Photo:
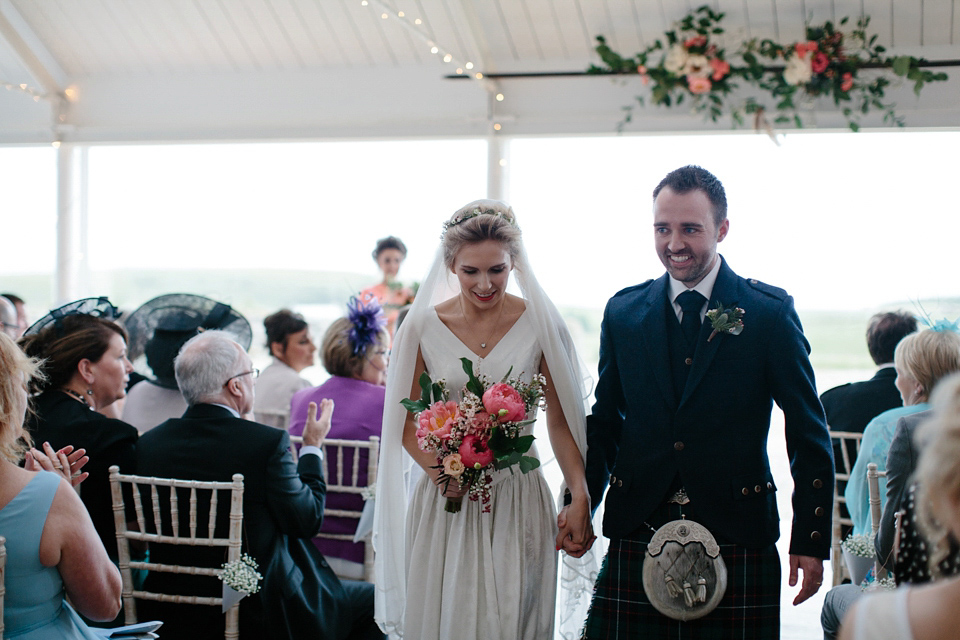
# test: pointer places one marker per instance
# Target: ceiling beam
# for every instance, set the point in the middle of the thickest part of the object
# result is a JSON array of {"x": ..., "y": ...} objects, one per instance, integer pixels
[{"x": 31, "y": 51}]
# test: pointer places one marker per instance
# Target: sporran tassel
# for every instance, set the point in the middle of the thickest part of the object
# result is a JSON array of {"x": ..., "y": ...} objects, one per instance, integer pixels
[
  {"x": 702, "y": 590},
  {"x": 688, "y": 596},
  {"x": 672, "y": 587}
]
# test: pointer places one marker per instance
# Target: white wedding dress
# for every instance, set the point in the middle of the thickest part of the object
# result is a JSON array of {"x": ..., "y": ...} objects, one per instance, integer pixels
[{"x": 475, "y": 575}]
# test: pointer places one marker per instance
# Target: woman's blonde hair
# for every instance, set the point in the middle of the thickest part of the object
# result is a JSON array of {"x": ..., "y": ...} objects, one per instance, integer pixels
[
  {"x": 479, "y": 221},
  {"x": 927, "y": 356},
  {"x": 337, "y": 350},
  {"x": 938, "y": 472},
  {"x": 17, "y": 371}
]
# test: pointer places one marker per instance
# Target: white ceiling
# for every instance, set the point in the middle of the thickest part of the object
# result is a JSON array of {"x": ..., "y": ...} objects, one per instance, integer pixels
[{"x": 160, "y": 70}]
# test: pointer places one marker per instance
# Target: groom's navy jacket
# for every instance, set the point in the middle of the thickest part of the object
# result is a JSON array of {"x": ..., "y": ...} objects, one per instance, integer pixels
[{"x": 642, "y": 433}]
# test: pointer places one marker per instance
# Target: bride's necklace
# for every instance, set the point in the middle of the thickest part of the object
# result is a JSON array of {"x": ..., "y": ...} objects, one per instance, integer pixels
[
  {"x": 483, "y": 345},
  {"x": 71, "y": 392}
]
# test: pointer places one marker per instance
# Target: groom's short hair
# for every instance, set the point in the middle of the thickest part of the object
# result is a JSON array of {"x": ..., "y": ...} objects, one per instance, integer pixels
[{"x": 691, "y": 177}]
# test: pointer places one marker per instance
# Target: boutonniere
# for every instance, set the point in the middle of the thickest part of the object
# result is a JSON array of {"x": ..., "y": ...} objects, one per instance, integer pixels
[{"x": 725, "y": 320}]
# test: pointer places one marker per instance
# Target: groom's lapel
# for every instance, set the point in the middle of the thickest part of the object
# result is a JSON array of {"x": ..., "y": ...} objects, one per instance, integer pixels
[
  {"x": 653, "y": 337},
  {"x": 726, "y": 292}
]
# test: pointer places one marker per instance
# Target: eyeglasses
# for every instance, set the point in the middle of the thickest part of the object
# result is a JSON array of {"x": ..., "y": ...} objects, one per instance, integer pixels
[{"x": 253, "y": 372}]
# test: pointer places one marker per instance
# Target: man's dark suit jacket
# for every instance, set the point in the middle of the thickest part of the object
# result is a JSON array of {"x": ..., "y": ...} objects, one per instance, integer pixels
[
  {"x": 850, "y": 407},
  {"x": 715, "y": 435},
  {"x": 283, "y": 506}
]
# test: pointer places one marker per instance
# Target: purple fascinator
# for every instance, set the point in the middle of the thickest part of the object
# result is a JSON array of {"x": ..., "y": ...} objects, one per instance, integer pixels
[{"x": 368, "y": 321}]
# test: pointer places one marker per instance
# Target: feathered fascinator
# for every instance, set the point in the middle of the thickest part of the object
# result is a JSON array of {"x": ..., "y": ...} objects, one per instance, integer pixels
[
  {"x": 943, "y": 324},
  {"x": 368, "y": 321}
]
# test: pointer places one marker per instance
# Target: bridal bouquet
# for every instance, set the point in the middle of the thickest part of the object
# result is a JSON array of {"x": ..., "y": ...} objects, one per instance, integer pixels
[{"x": 479, "y": 434}]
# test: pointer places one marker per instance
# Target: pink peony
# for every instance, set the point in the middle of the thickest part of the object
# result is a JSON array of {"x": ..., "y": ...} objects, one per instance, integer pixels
[
  {"x": 802, "y": 48},
  {"x": 504, "y": 403},
  {"x": 475, "y": 453},
  {"x": 481, "y": 423},
  {"x": 696, "y": 41},
  {"x": 847, "y": 82},
  {"x": 698, "y": 84},
  {"x": 720, "y": 68},
  {"x": 438, "y": 420},
  {"x": 820, "y": 62}
]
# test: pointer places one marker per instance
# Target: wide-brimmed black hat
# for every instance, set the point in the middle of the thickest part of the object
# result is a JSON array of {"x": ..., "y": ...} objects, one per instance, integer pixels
[
  {"x": 100, "y": 307},
  {"x": 160, "y": 327}
]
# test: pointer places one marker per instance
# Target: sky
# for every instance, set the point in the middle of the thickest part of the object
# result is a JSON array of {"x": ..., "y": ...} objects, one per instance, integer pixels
[{"x": 837, "y": 219}]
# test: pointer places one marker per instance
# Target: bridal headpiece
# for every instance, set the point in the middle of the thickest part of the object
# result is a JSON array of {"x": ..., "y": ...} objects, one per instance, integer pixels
[{"x": 463, "y": 216}]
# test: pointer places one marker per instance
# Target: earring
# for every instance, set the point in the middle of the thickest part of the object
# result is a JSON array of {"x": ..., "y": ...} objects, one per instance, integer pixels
[{"x": 89, "y": 392}]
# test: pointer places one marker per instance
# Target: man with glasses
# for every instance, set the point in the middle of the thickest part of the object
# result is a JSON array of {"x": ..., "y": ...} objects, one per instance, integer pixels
[{"x": 283, "y": 506}]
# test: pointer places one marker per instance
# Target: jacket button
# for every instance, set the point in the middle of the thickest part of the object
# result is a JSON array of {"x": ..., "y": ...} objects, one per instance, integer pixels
[
  {"x": 757, "y": 488},
  {"x": 745, "y": 491},
  {"x": 678, "y": 446},
  {"x": 818, "y": 484},
  {"x": 769, "y": 486},
  {"x": 688, "y": 361},
  {"x": 818, "y": 512},
  {"x": 619, "y": 483},
  {"x": 613, "y": 480},
  {"x": 815, "y": 536}
]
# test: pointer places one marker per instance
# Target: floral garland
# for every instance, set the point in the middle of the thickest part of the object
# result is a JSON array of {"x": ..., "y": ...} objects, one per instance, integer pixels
[{"x": 692, "y": 65}]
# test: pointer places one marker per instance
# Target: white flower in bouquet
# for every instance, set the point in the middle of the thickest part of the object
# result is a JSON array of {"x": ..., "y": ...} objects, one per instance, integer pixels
[
  {"x": 798, "y": 70},
  {"x": 242, "y": 575},
  {"x": 676, "y": 59},
  {"x": 697, "y": 66},
  {"x": 860, "y": 545}
]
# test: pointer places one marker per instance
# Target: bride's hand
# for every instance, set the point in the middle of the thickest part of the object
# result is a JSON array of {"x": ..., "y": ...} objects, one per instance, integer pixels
[
  {"x": 66, "y": 462},
  {"x": 451, "y": 489},
  {"x": 575, "y": 534}
]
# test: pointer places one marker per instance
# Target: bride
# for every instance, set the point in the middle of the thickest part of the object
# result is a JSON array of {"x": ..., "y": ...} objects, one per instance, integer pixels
[{"x": 473, "y": 574}]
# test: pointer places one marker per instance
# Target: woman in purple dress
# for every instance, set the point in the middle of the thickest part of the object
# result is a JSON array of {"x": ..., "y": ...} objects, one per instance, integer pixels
[{"x": 355, "y": 352}]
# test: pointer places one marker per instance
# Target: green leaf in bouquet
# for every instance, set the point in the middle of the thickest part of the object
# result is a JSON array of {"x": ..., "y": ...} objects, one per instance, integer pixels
[
  {"x": 413, "y": 406},
  {"x": 425, "y": 384},
  {"x": 437, "y": 392},
  {"x": 528, "y": 464},
  {"x": 506, "y": 376},
  {"x": 499, "y": 443},
  {"x": 508, "y": 460},
  {"x": 473, "y": 384},
  {"x": 522, "y": 444}
]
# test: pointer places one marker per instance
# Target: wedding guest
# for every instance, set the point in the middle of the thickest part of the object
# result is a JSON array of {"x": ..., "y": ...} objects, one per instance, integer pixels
[
  {"x": 85, "y": 369},
  {"x": 679, "y": 431},
  {"x": 22, "y": 322},
  {"x": 921, "y": 360},
  {"x": 283, "y": 505},
  {"x": 157, "y": 330},
  {"x": 355, "y": 354},
  {"x": 292, "y": 348},
  {"x": 851, "y": 406},
  {"x": 473, "y": 575},
  {"x": 56, "y": 564},
  {"x": 929, "y": 611},
  {"x": 389, "y": 254},
  {"x": 8, "y": 319}
]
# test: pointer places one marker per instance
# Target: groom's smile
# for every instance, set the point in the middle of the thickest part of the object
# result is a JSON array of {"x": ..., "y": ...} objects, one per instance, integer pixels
[{"x": 686, "y": 234}]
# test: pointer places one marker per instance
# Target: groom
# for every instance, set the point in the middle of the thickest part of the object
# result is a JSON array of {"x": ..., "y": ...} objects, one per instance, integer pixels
[{"x": 679, "y": 428}]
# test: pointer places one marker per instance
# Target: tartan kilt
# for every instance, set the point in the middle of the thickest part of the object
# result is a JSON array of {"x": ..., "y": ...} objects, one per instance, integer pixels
[{"x": 750, "y": 608}]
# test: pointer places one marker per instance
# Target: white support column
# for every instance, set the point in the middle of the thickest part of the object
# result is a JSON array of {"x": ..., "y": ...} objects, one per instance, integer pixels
[
  {"x": 70, "y": 190},
  {"x": 498, "y": 166}
]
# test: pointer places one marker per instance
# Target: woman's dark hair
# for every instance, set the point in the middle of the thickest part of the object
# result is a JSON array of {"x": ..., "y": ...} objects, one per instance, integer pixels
[
  {"x": 280, "y": 325},
  {"x": 63, "y": 344},
  {"x": 390, "y": 242}
]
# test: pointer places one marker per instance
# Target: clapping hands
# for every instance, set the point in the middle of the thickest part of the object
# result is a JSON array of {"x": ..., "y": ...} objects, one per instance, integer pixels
[
  {"x": 316, "y": 429},
  {"x": 66, "y": 462}
]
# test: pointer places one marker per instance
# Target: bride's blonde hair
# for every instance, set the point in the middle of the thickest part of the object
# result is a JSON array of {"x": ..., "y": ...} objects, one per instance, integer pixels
[
  {"x": 16, "y": 372},
  {"x": 479, "y": 221},
  {"x": 938, "y": 473}
]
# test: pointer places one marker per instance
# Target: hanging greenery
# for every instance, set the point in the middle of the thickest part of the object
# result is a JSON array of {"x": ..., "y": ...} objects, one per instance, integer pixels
[{"x": 690, "y": 66}]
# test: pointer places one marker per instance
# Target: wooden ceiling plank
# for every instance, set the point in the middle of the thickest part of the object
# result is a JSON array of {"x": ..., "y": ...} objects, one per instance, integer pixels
[
  {"x": 142, "y": 37},
  {"x": 61, "y": 42},
  {"x": 290, "y": 26},
  {"x": 359, "y": 35},
  {"x": 335, "y": 48},
  {"x": 254, "y": 21},
  {"x": 156, "y": 19},
  {"x": 377, "y": 25},
  {"x": 195, "y": 33},
  {"x": 236, "y": 44},
  {"x": 907, "y": 24},
  {"x": 104, "y": 56},
  {"x": 302, "y": 28},
  {"x": 532, "y": 28},
  {"x": 118, "y": 27},
  {"x": 937, "y": 18}
]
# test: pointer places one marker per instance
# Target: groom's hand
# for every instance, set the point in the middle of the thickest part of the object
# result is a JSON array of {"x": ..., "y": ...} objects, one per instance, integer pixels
[
  {"x": 575, "y": 535},
  {"x": 812, "y": 576}
]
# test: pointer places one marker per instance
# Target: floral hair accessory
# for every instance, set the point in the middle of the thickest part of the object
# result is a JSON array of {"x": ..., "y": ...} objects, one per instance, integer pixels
[
  {"x": 473, "y": 213},
  {"x": 725, "y": 320},
  {"x": 368, "y": 321}
]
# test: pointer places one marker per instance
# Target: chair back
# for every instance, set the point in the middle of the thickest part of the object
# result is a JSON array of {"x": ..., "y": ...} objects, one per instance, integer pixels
[
  {"x": 876, "y": 510},
  {"x": 165, "y": 509},
  {"x": 273, "y": 418},
  {"x": 849, "y": 441},
  {"x": 3, "y": 575}
]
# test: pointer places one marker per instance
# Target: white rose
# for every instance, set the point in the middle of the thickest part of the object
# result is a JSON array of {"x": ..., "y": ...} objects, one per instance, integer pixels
[
  {"x": 697, "y": 66},
  {"x": 676, "y": 59},
  {"x": 798, "y": 71}
]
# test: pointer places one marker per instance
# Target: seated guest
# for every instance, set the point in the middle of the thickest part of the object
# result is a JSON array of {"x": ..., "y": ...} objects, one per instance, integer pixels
[
  {"x": 292, "y": 348},
  {"x": 158, "y": 329},
  {"x": 85, "y": 369},
  {"x": 53, "y": 550},
  {"x": 928, "y": 611},
  {"x": 921, "y": 360},
  {"x": 389, "y": 254},
  {"x": 355, "y": 355},
  {"x": 283, "y": 503},
  {"x": 21, "y": 308},
  {"x": 851, "y": 406}
]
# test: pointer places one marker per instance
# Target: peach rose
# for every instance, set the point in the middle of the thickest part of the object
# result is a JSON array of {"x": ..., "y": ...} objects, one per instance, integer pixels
[
  {"x": 475, "y": 453},
  {"x": 720, "y": 68},
  {"x": 453, "y": 465},
  {"x": 699, "y": 84},
  {"x": 696, "y": 41},
  {"x": 504, "y": 403},
  {"x": 847, "y": 83},
  {"x": 438, "y": 420}
]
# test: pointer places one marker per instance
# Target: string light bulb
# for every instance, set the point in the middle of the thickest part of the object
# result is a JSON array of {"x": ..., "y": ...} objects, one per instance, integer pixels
[
  {"x": 478, "y": 76},
  {"x": 56, "y": 144},
  {"x": 459, "y": 72},
  {"x": 496, "y": 126},
  {"x": 384, "y": 16},
  {"x": 499, "y": 97},
  {"x": 400, "y": 14},
  {"x": 447, "y": 58},
  {"x": 503, "y": 162},
  {"x": 469, "y": 65},
  {"x": 434, "y": 49},
  {"x": 418, "y": 21}
]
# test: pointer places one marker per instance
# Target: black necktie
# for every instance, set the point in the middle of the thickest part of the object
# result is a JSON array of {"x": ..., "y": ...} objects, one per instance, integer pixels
[{"x": 690, "y": 303}]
